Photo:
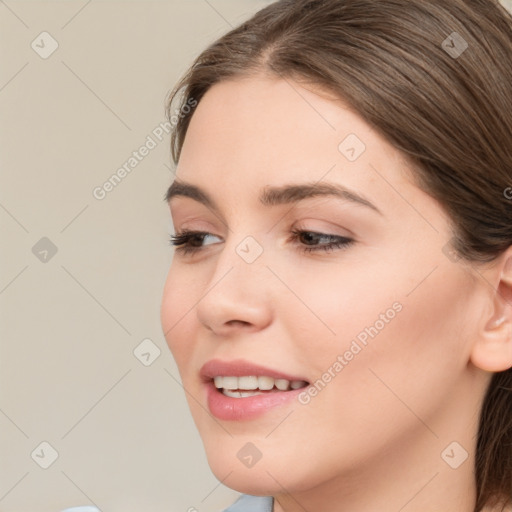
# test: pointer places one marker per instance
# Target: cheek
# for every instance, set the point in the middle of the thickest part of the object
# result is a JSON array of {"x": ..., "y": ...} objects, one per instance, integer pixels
[
  {"x": 429, "y": 339},
  {"x": 395, "y": 359},
  {"x": 337, "y": 305},
  {"x": 177, "y": 314}
]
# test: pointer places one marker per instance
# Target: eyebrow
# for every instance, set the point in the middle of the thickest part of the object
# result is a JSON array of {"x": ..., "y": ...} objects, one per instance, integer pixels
[{"x": 271, "y": 196}]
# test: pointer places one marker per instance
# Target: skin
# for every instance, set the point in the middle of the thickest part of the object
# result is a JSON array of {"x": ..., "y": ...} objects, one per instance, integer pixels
[{"x": 372, "y": 438}]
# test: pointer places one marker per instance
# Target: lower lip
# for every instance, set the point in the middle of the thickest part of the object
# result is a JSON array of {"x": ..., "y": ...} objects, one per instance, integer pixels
[{"x": 237, "y": 409}]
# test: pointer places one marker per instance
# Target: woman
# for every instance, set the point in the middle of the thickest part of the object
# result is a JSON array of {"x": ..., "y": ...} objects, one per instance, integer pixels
[{"x": 339, "y": 304}]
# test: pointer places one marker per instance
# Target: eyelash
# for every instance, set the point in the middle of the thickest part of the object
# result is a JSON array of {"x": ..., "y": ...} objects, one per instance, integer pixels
[{"x": 181, "y": 241}]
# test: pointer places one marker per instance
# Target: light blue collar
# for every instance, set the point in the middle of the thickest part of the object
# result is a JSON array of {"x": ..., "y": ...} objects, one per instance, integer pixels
[{"x": 247, "y": 503}]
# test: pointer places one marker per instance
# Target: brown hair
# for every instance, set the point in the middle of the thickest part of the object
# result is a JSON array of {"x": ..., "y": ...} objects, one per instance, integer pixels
[{"x": 434, "y": 78}]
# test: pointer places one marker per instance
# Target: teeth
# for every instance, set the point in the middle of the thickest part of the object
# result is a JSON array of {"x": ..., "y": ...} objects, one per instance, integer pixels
[
  {"x": 240, "y": 394},
  {"x": 265, "y": 383},
  {"x": 230, "y": 382},
  {"x": 282, "y": 384},
  {"x": 232, "y": 385},
  {"x": 247, "y": 382}
]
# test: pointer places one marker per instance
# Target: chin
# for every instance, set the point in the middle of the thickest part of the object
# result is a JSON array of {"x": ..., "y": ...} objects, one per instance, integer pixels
[
  {"x": 266, "y": 476},
  {"x": 254, "y": 481}
]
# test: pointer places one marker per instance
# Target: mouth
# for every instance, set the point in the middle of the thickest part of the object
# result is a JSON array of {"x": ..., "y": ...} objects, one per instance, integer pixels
[
  {"x": 252, "y": 385},
  {"x": 239, "y": 390}
]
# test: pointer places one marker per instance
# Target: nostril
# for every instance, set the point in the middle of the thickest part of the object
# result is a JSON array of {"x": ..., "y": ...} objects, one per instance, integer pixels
[{"x": 237, "y": 322}]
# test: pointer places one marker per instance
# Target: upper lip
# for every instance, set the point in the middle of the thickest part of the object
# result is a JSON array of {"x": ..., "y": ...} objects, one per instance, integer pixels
[{"x": 241, "y": 368}]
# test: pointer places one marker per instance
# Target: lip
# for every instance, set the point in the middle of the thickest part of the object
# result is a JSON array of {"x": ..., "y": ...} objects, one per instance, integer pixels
[{"x": 240, "y": 409}]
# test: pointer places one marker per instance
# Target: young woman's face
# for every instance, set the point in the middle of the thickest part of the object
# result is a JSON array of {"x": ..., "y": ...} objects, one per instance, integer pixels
[{"x": 379, "y": 328}]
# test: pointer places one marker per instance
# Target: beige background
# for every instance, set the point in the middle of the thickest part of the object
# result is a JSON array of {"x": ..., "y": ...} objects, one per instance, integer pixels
[
  {"x": 70, "y": 324},
  {"x": 68, "y": 374}
]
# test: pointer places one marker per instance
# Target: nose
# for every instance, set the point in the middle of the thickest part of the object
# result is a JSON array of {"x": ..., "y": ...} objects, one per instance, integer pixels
[{"x": 237, "y": 296}]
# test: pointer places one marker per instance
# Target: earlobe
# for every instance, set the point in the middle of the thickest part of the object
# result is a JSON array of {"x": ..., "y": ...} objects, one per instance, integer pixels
[
  {"x": 492, "y": 356},
  {"x": 492, "y": 350}
]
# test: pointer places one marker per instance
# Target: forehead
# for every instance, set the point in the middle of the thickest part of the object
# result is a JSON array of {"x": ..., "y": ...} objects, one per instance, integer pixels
[
  {"x": 239, "y": 116},
  {"x": 257, "y": 131}
]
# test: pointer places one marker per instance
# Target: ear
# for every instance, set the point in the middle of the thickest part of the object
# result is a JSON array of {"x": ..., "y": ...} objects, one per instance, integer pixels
[{"x": 492, "y": 350}]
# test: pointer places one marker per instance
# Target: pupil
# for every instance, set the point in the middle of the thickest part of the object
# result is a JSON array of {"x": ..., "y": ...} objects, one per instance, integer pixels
[{"x": 310, "y": 237}]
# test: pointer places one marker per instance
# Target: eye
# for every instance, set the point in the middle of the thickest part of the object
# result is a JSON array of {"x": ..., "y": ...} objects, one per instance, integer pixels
[
  {"x": 311, "y": 240},
  {"x": 187, "y": 242}
]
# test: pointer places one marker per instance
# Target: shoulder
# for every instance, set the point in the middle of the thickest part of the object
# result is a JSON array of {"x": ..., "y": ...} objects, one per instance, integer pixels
[{"x": 247, "y": 503}]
